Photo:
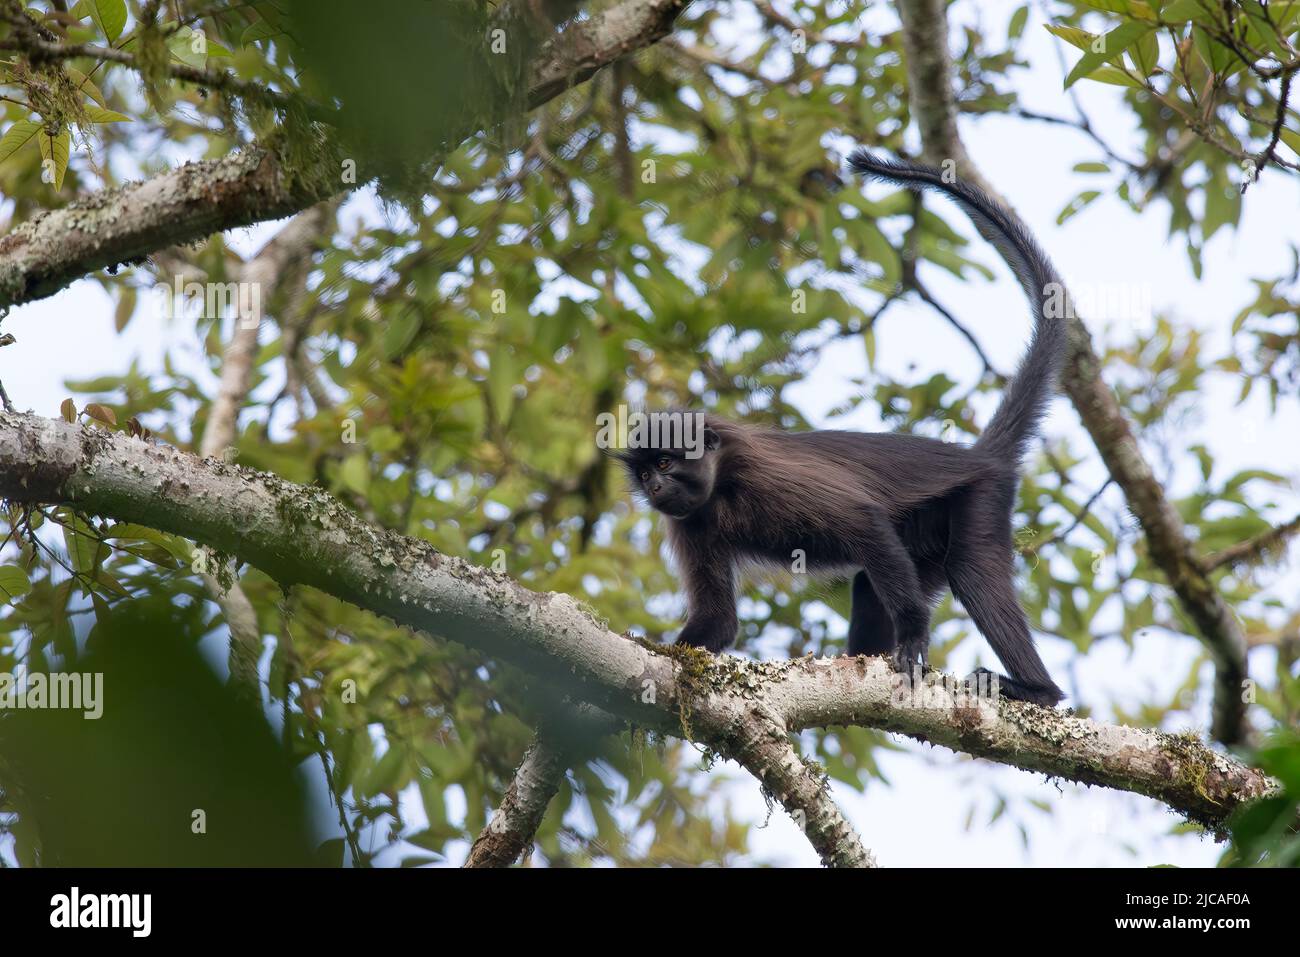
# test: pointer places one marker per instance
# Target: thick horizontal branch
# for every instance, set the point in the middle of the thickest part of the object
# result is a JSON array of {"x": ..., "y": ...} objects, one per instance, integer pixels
[
  {"x": 190, "y": 203},
  {"x": 300, "y": 534}
]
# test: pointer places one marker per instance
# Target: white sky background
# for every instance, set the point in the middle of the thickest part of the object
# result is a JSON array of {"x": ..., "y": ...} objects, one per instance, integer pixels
[{"x": 921, "y": 818}]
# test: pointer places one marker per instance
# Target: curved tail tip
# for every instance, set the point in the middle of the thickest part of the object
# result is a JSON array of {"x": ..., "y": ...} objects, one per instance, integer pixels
[{"x": 862, "y": 160}]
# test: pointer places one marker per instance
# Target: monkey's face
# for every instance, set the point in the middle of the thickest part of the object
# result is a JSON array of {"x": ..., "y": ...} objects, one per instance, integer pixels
[{"x": 672, "y": 481}]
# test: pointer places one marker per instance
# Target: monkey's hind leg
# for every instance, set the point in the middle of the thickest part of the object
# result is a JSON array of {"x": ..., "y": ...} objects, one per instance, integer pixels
[
  {"x": 981, "y": 573},
  {"x": 871, "y": 631},
  {"x": 895, "y": 582}
]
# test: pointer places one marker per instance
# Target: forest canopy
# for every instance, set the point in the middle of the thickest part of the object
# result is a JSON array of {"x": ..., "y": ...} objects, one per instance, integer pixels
[{"x": 370, "y": 274}]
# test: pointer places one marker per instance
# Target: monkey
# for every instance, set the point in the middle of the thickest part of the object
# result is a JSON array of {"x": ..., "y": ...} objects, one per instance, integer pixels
[{"x": 904, "y": 515}]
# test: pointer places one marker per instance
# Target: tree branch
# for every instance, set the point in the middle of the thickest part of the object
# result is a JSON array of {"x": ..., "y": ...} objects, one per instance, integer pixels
[
  {"x": 562, "y": 741},
  {"x": 760, "y": 743},
  {"x": 116, "y": 226},
  {"x": 512, "y": 827},
  {"x": 1255, "y": 550},
  {"x": 123, "y": 225},
  {"x": 929, "y": 70},
  {"x": 299, "y": 534}
]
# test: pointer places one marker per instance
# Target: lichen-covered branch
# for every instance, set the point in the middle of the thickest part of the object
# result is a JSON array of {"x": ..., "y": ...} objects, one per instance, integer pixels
[
  {"x": 42, "y": 256},
  {"x": 930, "y": 82},
  {"x": 563, "y": 740},
  {"x": 302, "y": 535},
  {"x": 585, "y": 46},
  {"x": 191, "y": 202},
  {"x": 760, "y": 742},
  {"x": 516, "y": 820}
]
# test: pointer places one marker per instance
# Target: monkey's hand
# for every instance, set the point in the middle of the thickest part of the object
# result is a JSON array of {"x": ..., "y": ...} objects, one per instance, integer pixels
[{"x": 712, "y": 634}]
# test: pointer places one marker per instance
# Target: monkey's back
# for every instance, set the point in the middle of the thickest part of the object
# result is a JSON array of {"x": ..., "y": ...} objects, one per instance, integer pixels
[{"x": 894, "y": 468}]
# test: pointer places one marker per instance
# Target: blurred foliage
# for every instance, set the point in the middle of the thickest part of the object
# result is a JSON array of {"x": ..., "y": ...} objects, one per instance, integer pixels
[
  {"x": 163, "y": 768},
  {"x": 673, "y": 231},
  {"x": 1264, "y": 833}
]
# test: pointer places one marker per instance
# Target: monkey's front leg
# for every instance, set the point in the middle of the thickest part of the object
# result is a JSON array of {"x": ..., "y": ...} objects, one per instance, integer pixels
[{"x": 711, "y": 601}]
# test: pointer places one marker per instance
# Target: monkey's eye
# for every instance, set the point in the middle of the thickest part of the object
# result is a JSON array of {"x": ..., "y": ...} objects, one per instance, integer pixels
[
  {"x": 663, "y": 464},
  {"x": 645, "y": 475}
]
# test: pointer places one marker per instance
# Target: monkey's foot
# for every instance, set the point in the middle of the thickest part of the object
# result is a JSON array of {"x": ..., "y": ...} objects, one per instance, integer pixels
[
  {"x": 707, "y": 635},
  {"x": 983, "y": 681},
  {"x": 912, "y": 653}
]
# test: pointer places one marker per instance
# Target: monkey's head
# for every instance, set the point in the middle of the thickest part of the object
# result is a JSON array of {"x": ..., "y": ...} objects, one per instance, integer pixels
[{"x": 674, "y": 467}]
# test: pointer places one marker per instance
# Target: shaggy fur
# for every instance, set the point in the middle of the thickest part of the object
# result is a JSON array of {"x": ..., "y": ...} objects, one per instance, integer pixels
[{"x": 906, "y": 516}]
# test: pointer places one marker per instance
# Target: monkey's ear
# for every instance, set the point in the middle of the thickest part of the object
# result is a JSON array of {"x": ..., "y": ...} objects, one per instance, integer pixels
[{"x": 711, "y": 439}]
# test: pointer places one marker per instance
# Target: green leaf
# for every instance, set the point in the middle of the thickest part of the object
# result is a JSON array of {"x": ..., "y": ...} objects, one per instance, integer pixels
[
  {"x": 86, "y": 85},
  {"x": 174, "y": 545},
  {"x": 54, "y": 153},
  {"x": 1091, "y": 168},
  {"x": 1216, "y": 56},
  {"x": 399, "y": 332},
  {"x": 1145, "y": 54},
  {"x": 1182, "y": 11},
  {"x": 270, "y": 12},
  {"x": 1132, "y": 8},
  {"x": 1108, "y": 48},
  {"x": 501, "y": 382},
  {"x": 84, "y": 549},
  {"x": 1017, "y": 25},
  {"x": 1072, "y": 35},
  {"x": 1254, "y": 475},
  {"x": 387, "y": 773},
  {"x": 190, "y": 49},
  {"x": 17, "y": 136},
  {"x": 354, "y": 473},
  {"x": 1116, "y": 77},
  {"x": 261, "y": 30},
  {"x": 110, "y": 16},
  {"x": 1222, "y": 205},
  {"x": 14, "y": 583},
  {"x": 1076, "y": 205},
  {"x": 101, "y": 115},
  {"x": 1292, "y": 139},
  {"x": 125, "y": 307},
  {"x": 102, "y": 612}
]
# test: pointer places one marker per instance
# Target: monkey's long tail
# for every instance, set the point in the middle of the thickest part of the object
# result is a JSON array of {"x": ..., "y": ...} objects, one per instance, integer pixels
[{"x": 1016, "y": 420}]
